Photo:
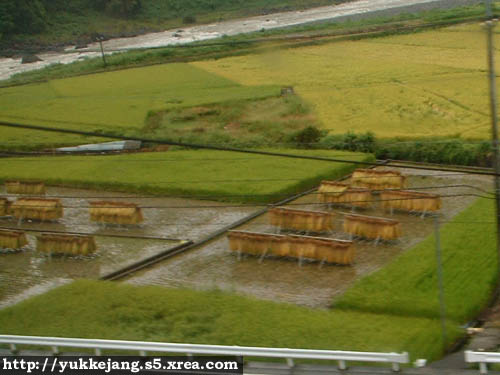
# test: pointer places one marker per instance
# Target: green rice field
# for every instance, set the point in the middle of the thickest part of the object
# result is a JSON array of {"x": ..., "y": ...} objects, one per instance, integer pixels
[
  {"x": 203, "y": 174},
  {"x": 408, "y": 286},
  {"x": 119, "y": 311}
]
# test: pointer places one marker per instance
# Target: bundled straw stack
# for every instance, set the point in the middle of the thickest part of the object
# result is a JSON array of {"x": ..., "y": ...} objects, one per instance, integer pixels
[
  {"x": 25, "y": 187},
  {"x": 115, "y": 212},
  {"x": 316, "y": 248},
  {"x": 411, "y": 201},
  {"x": 258, "y": 243},
  {"x": 378, "y": 179},
  {"x": 338, "y": 193},
  {"x": 42, "y": 209},
  {"x": 65, "y": 244},
  {"x": 372, "y": 227},
  {"x": 323, "y": 249},
  {"x": 14, "y": 240},
  {"x": 4, "y": 206},
  {"x": 301, "y": 220}
]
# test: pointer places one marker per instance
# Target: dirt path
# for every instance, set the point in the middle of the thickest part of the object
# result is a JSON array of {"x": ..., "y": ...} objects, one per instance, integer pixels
[{"x": 355, "y": 9}]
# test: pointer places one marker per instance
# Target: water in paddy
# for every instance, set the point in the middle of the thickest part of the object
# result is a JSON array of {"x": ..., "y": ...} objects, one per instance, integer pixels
[
  {"x": 27, "y": 273},
  {"x": 215, "y": 266}
]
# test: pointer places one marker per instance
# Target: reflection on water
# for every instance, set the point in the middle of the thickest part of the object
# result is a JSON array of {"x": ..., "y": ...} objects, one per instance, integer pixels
[
  {"x": 214, "y": 266},
  {"x": 26, "y": 273}
]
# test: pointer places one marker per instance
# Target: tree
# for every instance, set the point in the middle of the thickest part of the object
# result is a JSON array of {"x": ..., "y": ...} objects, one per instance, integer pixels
[
  {"x": 22, "y": 17},
  {"x": 118, "y": 7}
]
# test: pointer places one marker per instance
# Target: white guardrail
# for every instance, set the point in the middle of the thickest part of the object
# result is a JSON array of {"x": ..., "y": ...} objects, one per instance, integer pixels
[
  {"x": 190, "y": 349},
  {"x": 483, "y": 358}
]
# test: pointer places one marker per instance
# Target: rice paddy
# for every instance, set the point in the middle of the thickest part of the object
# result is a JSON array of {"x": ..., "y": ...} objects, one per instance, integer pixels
[
  {"x": 125, "y": 312},
  {"x": 115, "y": 102},
  {"x": 199, "y": 174},
  {"x": 29, "y": 272},
  {"x": 407, "y": 286},
  {"x": 430, "y": 83},
  {"x": 215, "y": 266}
]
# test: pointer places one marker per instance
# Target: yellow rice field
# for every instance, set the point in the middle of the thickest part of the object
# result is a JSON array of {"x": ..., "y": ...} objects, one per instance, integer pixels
[{"x": 421, "y": 84}]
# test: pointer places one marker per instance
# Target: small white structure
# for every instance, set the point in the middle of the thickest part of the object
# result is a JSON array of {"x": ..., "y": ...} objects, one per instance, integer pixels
[{"x": 107, "y": 146}]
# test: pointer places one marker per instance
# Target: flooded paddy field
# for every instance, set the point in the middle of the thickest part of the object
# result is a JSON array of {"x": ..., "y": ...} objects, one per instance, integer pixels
[
  {"x": 25, "y": 273},
  {"x": 214, "y": 266}
]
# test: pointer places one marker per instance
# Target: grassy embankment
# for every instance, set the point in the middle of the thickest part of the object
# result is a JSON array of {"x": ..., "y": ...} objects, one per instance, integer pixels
[
  {"x": 209, "y": 174},
  {"x": 121, "y": 311},
  {"x": 407, "y": 287},
  {"x": 243, "y": 44},
  {"x": 113, "y": 103}
]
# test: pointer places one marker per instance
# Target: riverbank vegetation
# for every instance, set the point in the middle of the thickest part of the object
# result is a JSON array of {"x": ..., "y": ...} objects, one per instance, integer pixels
[
  {"x": 354, "y": 28},
  {"x": 35, "y": 23}
]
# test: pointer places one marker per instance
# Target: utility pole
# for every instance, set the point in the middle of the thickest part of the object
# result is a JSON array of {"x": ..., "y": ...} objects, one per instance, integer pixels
[
  {"x": 490, "y": 25},
  {"x": 100, "y": 39}
]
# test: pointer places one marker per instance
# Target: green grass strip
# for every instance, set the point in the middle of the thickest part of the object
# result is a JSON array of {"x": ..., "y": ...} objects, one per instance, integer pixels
[
  {"x": 209, "y": 174},
  {"x": 408, "y": 286},
  {"x": 93, "y": 309}
]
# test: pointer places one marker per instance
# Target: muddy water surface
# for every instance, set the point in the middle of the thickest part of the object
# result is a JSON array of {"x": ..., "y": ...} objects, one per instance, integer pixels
[
  {"x": 26, "y": 273},
  {"x": 215, "y": 266}
]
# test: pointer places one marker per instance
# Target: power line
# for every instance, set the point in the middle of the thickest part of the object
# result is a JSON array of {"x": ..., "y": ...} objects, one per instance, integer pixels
[
  {"x": 228, "y": 149},
  {"x": 266, "y": 205},
  {"x": 93, "y": 234},
  {"x": 430, "y": 187}
]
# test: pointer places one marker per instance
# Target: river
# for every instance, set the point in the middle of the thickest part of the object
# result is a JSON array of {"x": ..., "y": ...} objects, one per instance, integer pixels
[{"x": 355, "y": 9}]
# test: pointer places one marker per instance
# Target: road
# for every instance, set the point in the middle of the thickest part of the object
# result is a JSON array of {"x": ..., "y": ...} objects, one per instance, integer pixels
[{"x": 360, "y": 8}]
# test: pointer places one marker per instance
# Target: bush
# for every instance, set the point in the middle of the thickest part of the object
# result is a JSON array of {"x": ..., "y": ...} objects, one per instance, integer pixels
[
  {"x": 430, "y": 150},
  {"x": 350, "y": 142},
  {"x": 306, "y": 138},
  {"x": 189, "y": 19},
  {"x": 453, "y": 151}
]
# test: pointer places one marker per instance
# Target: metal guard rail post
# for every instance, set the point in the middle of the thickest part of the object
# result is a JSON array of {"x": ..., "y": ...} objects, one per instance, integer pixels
[
  {"x": 483, "y": 358},
  {"x": 143, "y": 347}
]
